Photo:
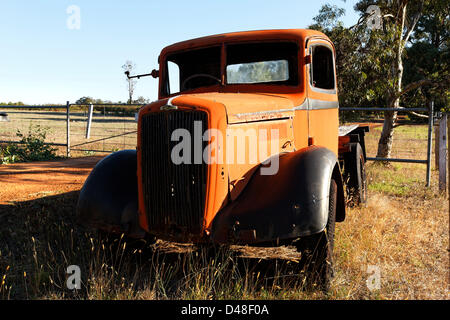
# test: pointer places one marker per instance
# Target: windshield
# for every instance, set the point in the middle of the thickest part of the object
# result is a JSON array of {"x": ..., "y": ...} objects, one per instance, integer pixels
[
  {"x": 272, "y": 63},
  {"x": 193, "y": 69},
  {"x": 258, "y": 72}
]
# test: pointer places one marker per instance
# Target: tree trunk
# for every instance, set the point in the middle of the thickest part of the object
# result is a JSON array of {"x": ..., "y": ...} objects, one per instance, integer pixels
[
  {"x": 387, "y": 134},
  {"x": 390, "y": 117}
]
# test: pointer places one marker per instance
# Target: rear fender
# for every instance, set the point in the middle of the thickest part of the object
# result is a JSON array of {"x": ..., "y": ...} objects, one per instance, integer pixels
[
  {"x": 290, "y": 204},
  {"x": 109, "y": 197}
]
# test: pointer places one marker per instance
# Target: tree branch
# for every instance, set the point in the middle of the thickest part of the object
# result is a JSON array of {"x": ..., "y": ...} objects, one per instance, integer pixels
[
  {"x": 413, "y": 23},
  {"x": 361, "y": 20},
  {"x": 412, "y": 86},
  {"x": 419, "y": 115}
]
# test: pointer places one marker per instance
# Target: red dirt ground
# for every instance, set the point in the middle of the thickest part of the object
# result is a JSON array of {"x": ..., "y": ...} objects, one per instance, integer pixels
[{"x": 28, "y": 181}]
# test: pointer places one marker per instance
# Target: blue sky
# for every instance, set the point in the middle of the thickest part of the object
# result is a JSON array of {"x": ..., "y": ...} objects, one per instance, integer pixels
[{"x": 44, "y": 61}]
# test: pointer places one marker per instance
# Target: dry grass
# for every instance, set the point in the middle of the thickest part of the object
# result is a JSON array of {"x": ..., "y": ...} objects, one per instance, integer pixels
[
  {"x": 108, "y": 132},
  {"x": 403, "y": 231},
  {"x": 405, "y": 236}
]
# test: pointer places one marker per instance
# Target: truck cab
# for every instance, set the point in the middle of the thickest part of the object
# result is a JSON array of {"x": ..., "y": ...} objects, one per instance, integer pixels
[{"x": 242, "y": 146}]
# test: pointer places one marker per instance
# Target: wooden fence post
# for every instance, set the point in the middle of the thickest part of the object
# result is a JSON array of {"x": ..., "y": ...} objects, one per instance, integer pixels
[
  {"x": 89, "y": 121},
  {"x": 429, "y": 141},
  {"x": 436, "y": 147},
  {"x": 443, "y": 153},
  {"x": 448, "y": 163},
  {"x": 68, "y": 129}
]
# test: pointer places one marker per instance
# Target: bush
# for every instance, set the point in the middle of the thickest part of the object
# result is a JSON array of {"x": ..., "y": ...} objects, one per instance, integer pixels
[
  {"x": 7, "y": 154},
  {"x": 32, "y": 147}
]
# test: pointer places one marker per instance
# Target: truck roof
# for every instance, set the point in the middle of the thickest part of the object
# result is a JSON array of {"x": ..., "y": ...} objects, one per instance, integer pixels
[{"x": 257, "y": 35}]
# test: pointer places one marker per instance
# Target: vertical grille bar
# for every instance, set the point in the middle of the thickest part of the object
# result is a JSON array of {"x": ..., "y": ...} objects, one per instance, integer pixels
[{"x": 174, "y": 195}]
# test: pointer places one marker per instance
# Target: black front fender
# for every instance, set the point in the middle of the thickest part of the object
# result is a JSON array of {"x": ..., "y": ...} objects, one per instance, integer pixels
[
  {"x": 109, "y": 197},
  {"x": 289, "y": 204}
]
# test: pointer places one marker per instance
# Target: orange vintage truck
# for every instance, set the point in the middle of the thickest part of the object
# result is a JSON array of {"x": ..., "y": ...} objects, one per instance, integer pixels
[{"x": 243, "y": 146}]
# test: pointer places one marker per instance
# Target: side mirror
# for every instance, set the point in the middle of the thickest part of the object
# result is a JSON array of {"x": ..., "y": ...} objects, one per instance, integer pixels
[{"x": 154, "y": 74}]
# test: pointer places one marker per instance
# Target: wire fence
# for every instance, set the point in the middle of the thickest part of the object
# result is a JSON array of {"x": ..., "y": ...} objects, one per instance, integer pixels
[
  {"x": 103, "y": 128},
  {"x": 17, "y": 120},
  {"x": 412, "y": 135},
  {"x": 80, "y": 130},
  {"x": 111, "y": 127},
  {"x": 410, "y": 132}
]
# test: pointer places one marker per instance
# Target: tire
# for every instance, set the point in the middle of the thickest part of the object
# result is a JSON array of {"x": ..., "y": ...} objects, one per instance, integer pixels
[
  {"x": 355, "y": 175},
  {"x": 317, "y": 249}
]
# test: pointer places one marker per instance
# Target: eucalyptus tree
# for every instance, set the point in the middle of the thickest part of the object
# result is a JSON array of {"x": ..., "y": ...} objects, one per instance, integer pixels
[
  {"x": 371, "y": 54},
  {"x": 398, "y": 20}
]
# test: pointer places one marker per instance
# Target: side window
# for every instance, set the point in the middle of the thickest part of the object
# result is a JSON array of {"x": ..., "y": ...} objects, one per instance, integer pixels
[
  {"x": 322, "y": 68},
  {"x": 174, "y": 77}
]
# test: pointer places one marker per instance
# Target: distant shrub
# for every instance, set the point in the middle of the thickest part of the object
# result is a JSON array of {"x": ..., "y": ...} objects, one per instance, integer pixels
[
  {"x": 7, "y": 154},
  {"x": 32, "y": 147},
  {"x": 117, "y": 111}
]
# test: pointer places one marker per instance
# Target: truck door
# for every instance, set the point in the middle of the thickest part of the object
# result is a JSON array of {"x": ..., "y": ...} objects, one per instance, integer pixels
[{"x": 321, "y": 90}]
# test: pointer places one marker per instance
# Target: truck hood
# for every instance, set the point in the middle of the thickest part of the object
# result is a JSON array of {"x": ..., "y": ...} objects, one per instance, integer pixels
[{"x": 245, "y": 107}]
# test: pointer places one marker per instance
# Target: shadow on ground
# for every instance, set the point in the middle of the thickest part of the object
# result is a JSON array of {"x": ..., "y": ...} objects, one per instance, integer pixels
[{"x": 40, "y": 238}]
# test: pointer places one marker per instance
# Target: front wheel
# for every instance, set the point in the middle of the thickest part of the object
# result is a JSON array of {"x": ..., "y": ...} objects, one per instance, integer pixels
[{"x": 317, "y": 249}]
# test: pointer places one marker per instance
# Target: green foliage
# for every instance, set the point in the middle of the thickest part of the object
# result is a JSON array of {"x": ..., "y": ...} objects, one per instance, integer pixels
[
  {"x": 118, "y": 111},
  {"x": 32, "y": 147},
  {"x": 7, "y": 154},
  {"x": 89, "y": 100},
  {"x": 19, "y": 103},
  {"x": 369, "y": 62},
  {"x": 371, "y": 65},
  {"x": 328, "y": 17},
  {"x": 110, "y": 108},
  {"x": 355, "y": 72},
  {"x": 85, "y": 101},
  {"x": 429, "y": 55},
  {"x": 141, "y": 100}
]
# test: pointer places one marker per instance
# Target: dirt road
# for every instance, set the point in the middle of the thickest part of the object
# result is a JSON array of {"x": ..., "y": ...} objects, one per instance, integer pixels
[{"x": 28, "y": 181}]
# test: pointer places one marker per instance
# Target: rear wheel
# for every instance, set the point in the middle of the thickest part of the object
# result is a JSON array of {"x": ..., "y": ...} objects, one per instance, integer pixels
[
  {"x": 317, "y": 249},
  {"x": 355, "y": 175}
]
